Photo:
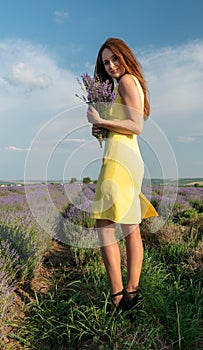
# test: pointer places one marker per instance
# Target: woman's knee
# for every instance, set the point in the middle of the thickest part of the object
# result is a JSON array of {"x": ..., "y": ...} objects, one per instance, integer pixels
[
  {"x": 129, "y": 229},
  {"x": 106, "y": 232}
]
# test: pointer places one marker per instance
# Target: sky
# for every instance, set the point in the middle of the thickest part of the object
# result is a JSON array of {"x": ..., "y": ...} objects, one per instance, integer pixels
[{"x": 46, "y": 45}]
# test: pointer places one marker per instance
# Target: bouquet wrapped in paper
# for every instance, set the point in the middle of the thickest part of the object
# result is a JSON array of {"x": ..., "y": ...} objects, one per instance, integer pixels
[{"x": 100, "y": 95}]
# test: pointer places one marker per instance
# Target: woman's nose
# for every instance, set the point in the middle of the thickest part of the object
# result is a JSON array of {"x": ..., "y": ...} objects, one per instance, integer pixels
[{"x": 111, "y": 64}]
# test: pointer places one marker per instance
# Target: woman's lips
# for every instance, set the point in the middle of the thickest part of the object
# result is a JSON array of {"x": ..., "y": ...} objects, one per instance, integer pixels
[{"x": 114, "y": 71}]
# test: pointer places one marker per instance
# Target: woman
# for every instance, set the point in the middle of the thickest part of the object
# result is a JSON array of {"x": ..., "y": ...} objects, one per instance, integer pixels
[{"x": 118, "y": 197}]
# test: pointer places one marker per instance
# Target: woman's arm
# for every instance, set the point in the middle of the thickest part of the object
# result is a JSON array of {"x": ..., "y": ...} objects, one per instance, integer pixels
[{"x": 133, "y": 108}]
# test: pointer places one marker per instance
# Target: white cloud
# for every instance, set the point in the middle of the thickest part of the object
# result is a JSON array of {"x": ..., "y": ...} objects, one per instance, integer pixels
[
  {"x": 186, "y": 139},
  {"x": 3, "y": 82},
  {"x": 75, "y": 140},
  {"x": 61, "y": 16},
  {"x": 24, "y": 74},
  {"x": 175, "y": 79},
  {"x": 34, "y": 89},
  {"x": 32, "y": 85},
  {"x": 16, "y": 149}
]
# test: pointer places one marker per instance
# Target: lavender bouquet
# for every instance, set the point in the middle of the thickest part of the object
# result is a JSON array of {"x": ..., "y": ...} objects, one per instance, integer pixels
[{"x": 100, "y": 95}]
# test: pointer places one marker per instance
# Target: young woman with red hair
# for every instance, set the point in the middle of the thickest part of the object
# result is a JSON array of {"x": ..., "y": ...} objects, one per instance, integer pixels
[{"x": 118, "y": 197}]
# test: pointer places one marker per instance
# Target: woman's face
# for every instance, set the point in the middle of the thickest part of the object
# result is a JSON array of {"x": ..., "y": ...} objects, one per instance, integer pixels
[{"x": 112, "y": 64}]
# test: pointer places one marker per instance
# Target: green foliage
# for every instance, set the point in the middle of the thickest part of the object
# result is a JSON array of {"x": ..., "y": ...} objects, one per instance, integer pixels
[
  {"x": 29, "y": 245},
  {"x": 86, "y": 180},
  {"x": 73, "y": 180},
  {"x": 155, "y": 203},
  {"x": 183, "y": 215},
  {"x": 197, "y": 204},
  {"x": 77, "y": 216}
]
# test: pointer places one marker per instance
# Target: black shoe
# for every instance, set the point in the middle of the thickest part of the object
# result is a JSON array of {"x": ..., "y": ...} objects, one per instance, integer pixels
[
  {"x": 129, "y": 301},
  {"x": 114, "y": 308},
  {"x": 115, "y": 295},
  {"x": 137, "y": 298},
  {"x": 126, "y": 301}
]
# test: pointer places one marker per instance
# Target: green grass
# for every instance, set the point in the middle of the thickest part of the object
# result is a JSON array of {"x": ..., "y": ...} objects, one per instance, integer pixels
[{"x": 73, "y": 315}]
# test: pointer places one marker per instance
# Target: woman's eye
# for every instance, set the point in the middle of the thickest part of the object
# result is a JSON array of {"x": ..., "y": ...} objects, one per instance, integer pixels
[
  {"x": 106, "y": 63},
  {"x": 115, "y": 58}
]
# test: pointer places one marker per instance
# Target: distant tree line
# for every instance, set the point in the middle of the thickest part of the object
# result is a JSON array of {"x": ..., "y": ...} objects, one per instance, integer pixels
[{"x": 85, "y": 180}]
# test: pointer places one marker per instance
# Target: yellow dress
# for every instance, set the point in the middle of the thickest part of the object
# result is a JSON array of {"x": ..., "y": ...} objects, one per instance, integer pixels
[{"x": 118, "y": 194}]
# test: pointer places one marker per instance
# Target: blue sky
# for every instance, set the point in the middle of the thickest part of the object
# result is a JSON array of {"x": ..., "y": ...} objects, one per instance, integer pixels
[{"x": 45, "y": 45}]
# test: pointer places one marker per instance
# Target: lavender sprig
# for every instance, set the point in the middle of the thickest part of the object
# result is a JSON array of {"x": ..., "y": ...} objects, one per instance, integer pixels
[{"x": 100, "y": 95}]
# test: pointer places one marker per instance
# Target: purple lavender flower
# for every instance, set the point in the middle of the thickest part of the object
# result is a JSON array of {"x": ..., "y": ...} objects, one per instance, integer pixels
[
  {"x": 9, "y": 267},
  {"x": 100, "y": 95}
]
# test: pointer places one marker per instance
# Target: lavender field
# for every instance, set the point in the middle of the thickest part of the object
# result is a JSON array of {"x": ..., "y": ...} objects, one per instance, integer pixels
[{"x": 30, "y": 218}]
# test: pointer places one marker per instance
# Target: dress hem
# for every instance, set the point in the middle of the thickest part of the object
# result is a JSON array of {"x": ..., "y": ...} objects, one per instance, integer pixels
[{"x": 116, "y": 221}]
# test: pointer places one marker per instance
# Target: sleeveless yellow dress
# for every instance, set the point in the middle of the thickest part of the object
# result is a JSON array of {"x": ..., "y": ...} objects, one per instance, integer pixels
[{"x": 118, "y": 194}]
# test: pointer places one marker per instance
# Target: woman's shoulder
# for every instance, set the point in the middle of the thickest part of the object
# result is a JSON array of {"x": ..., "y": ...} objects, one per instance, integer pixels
[
  {"x": 126, "y": 77},
  {"x": 127, "y": 81},
  {"x": 130, "y": 85}
]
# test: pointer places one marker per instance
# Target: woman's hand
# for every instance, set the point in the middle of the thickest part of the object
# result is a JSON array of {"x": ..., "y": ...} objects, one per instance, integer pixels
[
  {"x": 93, "y": 116},
  {"x": 95, "y": 130}
]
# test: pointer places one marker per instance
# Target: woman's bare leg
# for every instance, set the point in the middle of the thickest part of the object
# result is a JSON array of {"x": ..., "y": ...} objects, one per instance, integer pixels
[
  {"x": 111, "y": 256},
  {"x": 134, "y": 250}
]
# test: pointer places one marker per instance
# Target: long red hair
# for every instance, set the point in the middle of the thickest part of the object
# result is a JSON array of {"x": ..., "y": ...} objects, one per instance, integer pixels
[{"x": 128, "y": 60}]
